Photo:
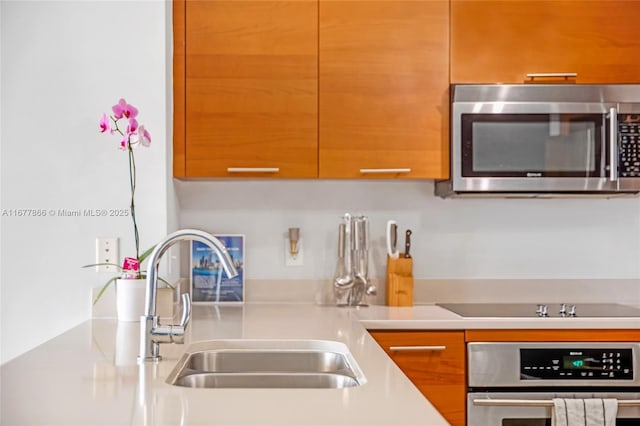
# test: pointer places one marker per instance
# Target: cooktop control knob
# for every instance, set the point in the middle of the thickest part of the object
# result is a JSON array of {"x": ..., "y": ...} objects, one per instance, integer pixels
[
  {"x": 572, "y": 311},
  {"x": 542, "y": 311},
  {"x": 563, "y": 309}
]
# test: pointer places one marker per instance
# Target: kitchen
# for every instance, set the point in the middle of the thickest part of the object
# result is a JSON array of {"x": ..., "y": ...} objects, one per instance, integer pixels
[{"x": 466, "y": 248}]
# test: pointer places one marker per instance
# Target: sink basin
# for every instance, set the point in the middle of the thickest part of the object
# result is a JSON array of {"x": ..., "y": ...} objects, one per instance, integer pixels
[{"x": 267, "y": 364}]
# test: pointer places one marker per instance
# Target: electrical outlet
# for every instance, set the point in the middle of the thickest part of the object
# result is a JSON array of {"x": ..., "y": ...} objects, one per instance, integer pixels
[{"x": 107, "y": 252}]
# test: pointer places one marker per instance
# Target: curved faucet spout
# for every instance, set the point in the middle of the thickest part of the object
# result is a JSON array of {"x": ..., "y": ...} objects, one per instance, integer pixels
[
  {"x": 152, "y": 333},
  {"x": 170, "y": 240}
]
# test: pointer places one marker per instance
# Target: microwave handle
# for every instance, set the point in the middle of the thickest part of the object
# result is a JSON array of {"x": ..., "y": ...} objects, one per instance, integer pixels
[{"x": 613, "y": 144}]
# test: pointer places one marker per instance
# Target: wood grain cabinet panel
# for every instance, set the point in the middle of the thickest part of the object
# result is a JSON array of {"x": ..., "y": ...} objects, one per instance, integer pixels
[
  {"x": 383, "y": 88},
  {"x": 501, "y": 41},
  {"x": 313, "y": 88},
  {"x": 251, "y": 96},
  {"x": 435, "y": 362}
]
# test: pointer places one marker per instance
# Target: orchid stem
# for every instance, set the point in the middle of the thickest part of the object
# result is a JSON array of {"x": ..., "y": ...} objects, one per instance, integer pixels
[{"x": 132, "y": 181}]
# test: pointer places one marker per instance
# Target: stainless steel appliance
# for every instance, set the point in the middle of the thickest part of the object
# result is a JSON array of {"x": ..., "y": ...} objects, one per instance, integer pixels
[
  {"x": 535, "y": 140},
  {"x": 513, "y": 384}
]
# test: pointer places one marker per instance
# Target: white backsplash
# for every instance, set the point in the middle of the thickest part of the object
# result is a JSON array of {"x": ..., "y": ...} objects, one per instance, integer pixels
[{"x": 452, "y": 239}]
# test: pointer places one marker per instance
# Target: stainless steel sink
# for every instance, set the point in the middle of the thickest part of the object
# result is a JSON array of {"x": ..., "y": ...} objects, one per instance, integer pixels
[{"x": 267, "y": 364}]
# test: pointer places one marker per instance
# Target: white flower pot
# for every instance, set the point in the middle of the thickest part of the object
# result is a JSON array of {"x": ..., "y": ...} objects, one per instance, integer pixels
[{"x": 130, "y": 299}]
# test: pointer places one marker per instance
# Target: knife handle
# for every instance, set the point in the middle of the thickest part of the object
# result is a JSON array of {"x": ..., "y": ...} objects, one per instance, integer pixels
[
  {"x": 392, "y": 239},
  {"x": 407, "y": 244}
]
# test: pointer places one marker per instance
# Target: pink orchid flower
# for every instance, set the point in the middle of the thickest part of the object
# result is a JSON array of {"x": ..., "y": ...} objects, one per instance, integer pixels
[
  {"x": 132, "y": 128},
  {"x": 143, "y": 136},
  {"x": 104, "y": 123},
  {"x": 123, "y": 109}
]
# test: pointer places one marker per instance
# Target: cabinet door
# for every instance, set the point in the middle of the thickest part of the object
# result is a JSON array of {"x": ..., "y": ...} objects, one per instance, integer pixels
[
  {"x": 502, "y": 41},
  {"x": 435, "y": 362},
  {"x": 384, "y": 88},
  {"x": 251, "y": 88}
]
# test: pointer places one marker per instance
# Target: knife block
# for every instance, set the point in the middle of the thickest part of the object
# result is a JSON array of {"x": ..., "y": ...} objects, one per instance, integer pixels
[{"x": 399, "y": 282}]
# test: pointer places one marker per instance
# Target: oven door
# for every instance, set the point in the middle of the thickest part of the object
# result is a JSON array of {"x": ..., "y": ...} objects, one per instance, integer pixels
[{"x": 534, "y": 408}]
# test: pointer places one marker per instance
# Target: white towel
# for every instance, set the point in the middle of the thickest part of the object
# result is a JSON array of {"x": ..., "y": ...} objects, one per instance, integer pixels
[{"x": 584, "y": 412}]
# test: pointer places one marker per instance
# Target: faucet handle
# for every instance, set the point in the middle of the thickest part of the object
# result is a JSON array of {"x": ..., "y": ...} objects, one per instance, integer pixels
[{"x": 186, "y": 310}]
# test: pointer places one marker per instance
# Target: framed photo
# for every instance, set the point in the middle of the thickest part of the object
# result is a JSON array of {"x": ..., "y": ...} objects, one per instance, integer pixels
[{"x": 209, "y": 282}]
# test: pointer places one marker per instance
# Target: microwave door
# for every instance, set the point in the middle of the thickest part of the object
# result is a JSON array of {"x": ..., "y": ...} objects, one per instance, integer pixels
[{"x": 535, "y": 152}]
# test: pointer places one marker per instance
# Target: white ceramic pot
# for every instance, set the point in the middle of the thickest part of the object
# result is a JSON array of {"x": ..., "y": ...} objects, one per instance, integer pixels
[{"x": 130, "y": 299}]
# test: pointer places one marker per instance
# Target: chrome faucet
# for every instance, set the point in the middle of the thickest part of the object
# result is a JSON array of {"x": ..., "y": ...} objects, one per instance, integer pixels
[{"x": 152, "y": 333}]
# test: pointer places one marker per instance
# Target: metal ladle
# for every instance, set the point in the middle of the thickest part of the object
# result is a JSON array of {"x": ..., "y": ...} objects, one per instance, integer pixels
[{"x": 344, "y": 274}]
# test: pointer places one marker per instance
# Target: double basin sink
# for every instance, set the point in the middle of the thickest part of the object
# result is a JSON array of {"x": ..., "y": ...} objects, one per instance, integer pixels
[{"x": 267, "y": 364}]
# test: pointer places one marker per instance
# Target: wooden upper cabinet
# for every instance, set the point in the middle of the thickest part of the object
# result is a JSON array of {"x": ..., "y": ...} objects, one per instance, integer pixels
[
  {"x": 503, "y": 41},
  {"x": 383, "y": 88},
  {"x": 434, "y": 361},
  {"x": 250, "y": 93}
]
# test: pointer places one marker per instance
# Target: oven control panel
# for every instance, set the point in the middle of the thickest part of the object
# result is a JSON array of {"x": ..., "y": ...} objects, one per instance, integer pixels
[{"x": 576, "y": 364}]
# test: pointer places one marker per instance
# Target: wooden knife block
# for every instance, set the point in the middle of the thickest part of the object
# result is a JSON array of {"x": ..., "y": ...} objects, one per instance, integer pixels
[{"x": 399, "y": 281}]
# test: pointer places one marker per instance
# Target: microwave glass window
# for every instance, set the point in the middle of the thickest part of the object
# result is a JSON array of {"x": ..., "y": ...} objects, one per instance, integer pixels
[
  {"x": 534, "y": 146},
  {"x": 548, "y": 144}
]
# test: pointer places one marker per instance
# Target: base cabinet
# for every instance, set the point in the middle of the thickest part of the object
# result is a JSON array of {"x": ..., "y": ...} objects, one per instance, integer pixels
[{"x": 435, "y": 362}]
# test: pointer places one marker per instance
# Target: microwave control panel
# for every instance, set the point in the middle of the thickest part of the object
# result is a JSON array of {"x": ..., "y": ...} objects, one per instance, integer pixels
[
  {"x": 576, "y": 364},
  {"x": 629, "y": 145}
]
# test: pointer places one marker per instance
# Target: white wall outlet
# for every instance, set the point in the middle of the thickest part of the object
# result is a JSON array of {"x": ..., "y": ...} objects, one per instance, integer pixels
[
  {"x": 289, "y": 259},
  {"x": 107, "y": 252}
]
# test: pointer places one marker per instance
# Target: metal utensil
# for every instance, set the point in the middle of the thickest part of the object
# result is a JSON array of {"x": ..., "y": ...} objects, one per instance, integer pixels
[
  {"x": 344, "y": 274},
  {"x": 407, "y": 244},
  {"x": 360, "y": 261}
]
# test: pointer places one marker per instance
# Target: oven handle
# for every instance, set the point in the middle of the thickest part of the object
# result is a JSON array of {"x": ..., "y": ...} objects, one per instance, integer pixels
[{"x": 538, "y": 402}]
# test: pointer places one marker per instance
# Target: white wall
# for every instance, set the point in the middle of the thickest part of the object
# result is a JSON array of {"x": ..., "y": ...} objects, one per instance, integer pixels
[
  {"x": 454, "y": 238},
  {"x": 63, "y": 64}
]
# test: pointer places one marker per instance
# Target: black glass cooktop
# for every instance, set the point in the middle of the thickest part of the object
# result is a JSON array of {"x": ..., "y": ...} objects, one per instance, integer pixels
[{"x": 553, "y": 310}]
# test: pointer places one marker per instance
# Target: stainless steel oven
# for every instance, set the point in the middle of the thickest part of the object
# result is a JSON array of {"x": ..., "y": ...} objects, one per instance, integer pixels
[
  {"x": 534, "y": 139},
  {"x": 513, "y": 384}
]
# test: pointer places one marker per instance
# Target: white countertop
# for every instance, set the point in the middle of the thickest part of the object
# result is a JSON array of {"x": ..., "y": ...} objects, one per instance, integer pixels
[{"x": 89, "y": 375}]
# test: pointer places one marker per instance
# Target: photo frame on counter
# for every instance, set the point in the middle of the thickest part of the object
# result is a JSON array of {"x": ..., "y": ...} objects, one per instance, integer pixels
[{"x": 209, "y": 283}]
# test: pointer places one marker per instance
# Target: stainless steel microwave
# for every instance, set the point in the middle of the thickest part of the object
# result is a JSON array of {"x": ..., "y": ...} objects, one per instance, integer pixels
[{"x": 537, "y": 140}]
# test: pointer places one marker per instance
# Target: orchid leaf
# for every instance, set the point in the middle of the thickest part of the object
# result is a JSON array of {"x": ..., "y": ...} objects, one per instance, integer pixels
[
  {"x": 102, "y": 264},
  {"x": 146, "y": 254}
]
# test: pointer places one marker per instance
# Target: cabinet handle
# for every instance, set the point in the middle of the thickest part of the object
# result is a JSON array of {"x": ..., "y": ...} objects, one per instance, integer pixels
[
  {"x": 564, "y": 75},
  {"x": 417, "y": 348},
  {"x": 372, "y": 171},
  {"x": 253, "y": 169}
]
